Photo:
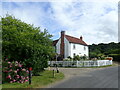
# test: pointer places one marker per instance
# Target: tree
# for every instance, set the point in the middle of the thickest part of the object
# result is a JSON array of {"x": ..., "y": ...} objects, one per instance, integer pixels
[
  {"x": 102, "y": 50},
  {"x": 26, "y": 43}
]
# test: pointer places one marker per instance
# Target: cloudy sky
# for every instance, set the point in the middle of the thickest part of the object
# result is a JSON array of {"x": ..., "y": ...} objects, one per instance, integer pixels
[{"x": 97, "y": 22}]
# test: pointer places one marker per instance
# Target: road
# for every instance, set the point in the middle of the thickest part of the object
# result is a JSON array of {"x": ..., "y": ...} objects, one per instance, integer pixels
[{"x": 101, "y": 78}]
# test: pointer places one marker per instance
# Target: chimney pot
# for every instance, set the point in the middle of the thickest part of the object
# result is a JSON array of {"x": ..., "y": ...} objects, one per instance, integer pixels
[
  {"x": 63, "y": 32},
  {"x": 81, "y": 37}
]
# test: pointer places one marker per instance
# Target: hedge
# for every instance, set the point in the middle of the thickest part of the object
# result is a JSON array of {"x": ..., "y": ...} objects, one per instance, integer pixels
[{"x": 116, "y": 57}]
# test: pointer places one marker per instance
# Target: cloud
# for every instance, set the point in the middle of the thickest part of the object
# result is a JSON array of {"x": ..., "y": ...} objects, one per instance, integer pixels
[{"x": 95, "y": 21}]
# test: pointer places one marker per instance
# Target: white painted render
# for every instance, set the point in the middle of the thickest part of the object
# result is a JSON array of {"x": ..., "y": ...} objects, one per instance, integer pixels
[
  {"x": 79, "y": 50},
  {"x": 69, "y": 50},
  {"x": 58, "y": 46}
]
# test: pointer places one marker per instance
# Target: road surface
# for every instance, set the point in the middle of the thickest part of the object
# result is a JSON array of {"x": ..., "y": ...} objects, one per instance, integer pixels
[{"x": 101, "y": 78}]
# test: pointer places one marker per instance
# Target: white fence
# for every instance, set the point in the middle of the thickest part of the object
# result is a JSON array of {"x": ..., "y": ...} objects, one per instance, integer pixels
[{"x": 89, "y": 63}]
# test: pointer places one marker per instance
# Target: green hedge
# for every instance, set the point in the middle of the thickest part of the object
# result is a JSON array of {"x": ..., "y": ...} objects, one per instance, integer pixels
[{"x": 116, "y": 57}]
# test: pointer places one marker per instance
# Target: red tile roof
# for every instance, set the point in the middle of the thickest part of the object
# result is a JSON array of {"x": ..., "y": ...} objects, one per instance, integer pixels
[
  {"x": 55, "y": 42},
  {"x": 75, "y": 40},
  {"x": 72, "y": 40}
]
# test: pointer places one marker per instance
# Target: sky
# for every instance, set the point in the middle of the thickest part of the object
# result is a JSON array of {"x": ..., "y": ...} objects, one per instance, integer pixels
[{"x": 97, "y": 22}]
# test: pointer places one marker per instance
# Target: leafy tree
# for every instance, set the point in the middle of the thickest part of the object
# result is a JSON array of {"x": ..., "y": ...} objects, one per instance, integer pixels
[
  {"x": 102, "y": 50},
  {"x": 26, "y": 43}
]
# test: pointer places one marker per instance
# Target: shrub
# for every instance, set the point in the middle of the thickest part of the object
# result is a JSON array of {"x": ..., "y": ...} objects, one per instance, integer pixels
[
  {"x": 66, "y": 59},
  {"x": 33, "y": 46},
  {"x": 77, "y": 57},
  {"x": 59, "y": 58},
  {"x": 116, "y": 57},
  {"x": 69, "y": 57},
  {"x": 14, "y": 72}
]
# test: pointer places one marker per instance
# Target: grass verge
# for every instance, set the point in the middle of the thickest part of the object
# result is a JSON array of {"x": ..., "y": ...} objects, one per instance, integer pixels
[{"x": 45, "y": 78}]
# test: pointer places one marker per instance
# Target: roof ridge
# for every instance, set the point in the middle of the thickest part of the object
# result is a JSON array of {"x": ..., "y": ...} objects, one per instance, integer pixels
[
  {"x": 75, "y": 40},
  {"x": 73, "y": 37}
]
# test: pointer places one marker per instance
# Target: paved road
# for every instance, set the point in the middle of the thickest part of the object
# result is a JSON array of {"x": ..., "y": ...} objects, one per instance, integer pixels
[{"x": 102, "y": 78}]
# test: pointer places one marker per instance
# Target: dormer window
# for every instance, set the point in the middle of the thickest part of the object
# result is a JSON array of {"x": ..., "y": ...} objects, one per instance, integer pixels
[{"x": 73, "y": 46}]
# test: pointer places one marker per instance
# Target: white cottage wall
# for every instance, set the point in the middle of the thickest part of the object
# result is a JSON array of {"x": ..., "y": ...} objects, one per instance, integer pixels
[
  {"x": 78, "y": 50},
  {"x": 67, "y": 48},
  {"x": 58, "y": 46}
]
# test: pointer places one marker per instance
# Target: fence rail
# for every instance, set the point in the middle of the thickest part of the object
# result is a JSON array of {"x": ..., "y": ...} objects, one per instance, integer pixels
[{"x": 88, "y": 63}]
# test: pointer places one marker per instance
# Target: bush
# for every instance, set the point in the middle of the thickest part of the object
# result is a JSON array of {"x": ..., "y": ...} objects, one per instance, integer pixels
[
  {"x": 116, "y": 57},
  {"x": 69, "y": 57},
  {"x": 59, "y": 58},
  {"x": 77, "y": 57},
  {"x": 26, "y": 43},
  {"x": 66, "y": 59},
  {"x": 14, "y": 72}
]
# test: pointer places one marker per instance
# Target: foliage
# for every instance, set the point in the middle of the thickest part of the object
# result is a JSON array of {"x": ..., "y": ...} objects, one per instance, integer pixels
[
  {"x": 116, "y": 57},
  {"x": 69, "y": 57},
  {"x": 76, "y": 57},
  {"x": 37, "y": 81},
  {"x": 59, "y": 58},
  {"x": 66, "y": 59},
  {"x": 26, "y": 43},
  {"x": 14, "y": 72},
  {"x": 102, "y": 50}
]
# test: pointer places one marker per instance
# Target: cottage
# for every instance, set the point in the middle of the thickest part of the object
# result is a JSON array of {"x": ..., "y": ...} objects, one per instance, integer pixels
[{"x": 70, "y": 46}]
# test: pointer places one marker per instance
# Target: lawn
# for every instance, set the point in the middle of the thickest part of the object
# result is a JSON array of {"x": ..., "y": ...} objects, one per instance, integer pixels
[{"x": 45, "y": 78}]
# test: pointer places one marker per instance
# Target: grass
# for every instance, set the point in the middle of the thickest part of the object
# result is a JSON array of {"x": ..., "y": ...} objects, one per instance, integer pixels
[{"x": 45, "y": 78}]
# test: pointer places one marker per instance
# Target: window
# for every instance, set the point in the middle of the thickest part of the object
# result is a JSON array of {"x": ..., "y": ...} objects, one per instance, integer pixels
[
  {"x": 73, "y": 46},
  {"x": 84, "y": 48},
  {"x": 73, "y": 54}
]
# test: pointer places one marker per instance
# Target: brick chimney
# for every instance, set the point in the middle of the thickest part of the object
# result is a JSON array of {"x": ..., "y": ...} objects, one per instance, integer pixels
[
  {"x": 62, "y": 44},
  {"x": 81, "y": 37}
]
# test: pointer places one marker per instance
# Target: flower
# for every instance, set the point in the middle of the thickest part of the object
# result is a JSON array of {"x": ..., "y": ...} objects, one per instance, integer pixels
[
  {"x": 10, "y": 66},
  {"x": 23, "y": 78},
  {"x": 23, "y": 69},
  {"x": 26, "y": 77},
  {"x": 21, "y": 81},
  {"x": 9, "y": 62},
  {"x": 8, "y": 76},
  {"x": 16, "y": 62},
  {"x": 19, "y": 65},
  {"x": 27, "y": 71},
  {"x": 6, "y": 59},
  {"x": 14, "y": 80},
  {"x": 15, "y": 71},
  {"x": 11, "y": 81},
  {"x": 10, "y": 70},
  {"x": 6, "y": 71},
  {"x": 17, "y": 76},
  {"x": 26, "y": 80}
]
